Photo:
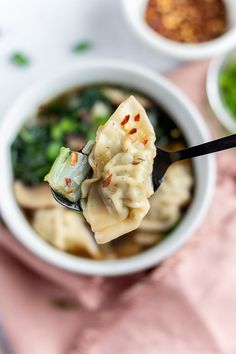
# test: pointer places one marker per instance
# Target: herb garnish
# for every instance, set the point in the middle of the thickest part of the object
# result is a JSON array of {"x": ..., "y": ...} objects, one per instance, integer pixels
[
  {"x": 19, "y": 59},
  {"x": 81, "y": 46}
]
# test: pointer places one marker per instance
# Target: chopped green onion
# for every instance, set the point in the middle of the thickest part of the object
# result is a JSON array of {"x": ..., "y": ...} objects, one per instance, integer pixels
[
  {"x": 19, "y": 59},
  {"x": 81, "y": 46},
  {"x": 66, "y": 125},
  {"x": 53, "y": 150},
  {"x": 101, "y": 120}
]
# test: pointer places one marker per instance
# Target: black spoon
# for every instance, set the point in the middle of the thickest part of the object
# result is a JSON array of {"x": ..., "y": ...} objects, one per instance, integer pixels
[{"x": 164, "y": 159}]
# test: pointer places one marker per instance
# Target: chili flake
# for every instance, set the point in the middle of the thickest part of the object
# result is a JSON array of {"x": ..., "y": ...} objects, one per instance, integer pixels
[
  {"x": 68, "y": 181},
  {"x": 137, "y": 118},
  {"x": 106, "y": 181},
  {"x": 144, "y": 141},
  {"x": 74, "y": 158},
  {"x": 125, "y": 120},
  {"x": 70, "y": 191},
  {"x": 133, "y": 131}
]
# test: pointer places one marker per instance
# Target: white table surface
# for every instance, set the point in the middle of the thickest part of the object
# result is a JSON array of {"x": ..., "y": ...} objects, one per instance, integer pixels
[{"x": 46, "y": 30}]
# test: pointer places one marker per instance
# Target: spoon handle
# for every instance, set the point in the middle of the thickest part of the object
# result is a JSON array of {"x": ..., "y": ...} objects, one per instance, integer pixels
[{"x": 227, "y": 142}]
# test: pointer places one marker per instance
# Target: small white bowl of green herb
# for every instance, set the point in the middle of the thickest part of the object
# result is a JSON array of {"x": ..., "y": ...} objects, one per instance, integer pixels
[{"x": 221, "y": 89}]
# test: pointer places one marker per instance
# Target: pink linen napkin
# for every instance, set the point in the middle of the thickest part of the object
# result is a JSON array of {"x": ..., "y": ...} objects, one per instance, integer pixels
[
  {"x": 42, "y": 307},
  {"x": 184, "y": 306},
  {"x": 188, "y": 306}
]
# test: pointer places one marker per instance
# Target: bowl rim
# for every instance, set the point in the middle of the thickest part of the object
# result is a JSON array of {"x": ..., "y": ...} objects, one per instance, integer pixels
[
  {"x": 23, "y": 231},
  {"x": 213, "y": 91},
  {"x": 182, "y": 51}
]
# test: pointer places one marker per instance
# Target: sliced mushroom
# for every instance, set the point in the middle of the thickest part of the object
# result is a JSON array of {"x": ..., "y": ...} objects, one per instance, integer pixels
[
  {"x": 117, "y": 96},
  {"x": 100, "y": 109},
  {"x": 66, "y": 230},
  {"x": 75, "y": 141},
  {"x": 35, "y": 197}
]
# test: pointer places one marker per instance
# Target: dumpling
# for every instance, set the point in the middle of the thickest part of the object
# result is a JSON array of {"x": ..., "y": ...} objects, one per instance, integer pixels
[
  {"x": 66, "y": 230},
  {"x": 172, "y": 195},
  {"x": 33, "y": 197},
  {"x": 115, "y": 199}
]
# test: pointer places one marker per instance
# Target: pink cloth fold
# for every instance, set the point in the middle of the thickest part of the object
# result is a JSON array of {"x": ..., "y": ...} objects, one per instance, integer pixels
[
  {"x": 90, "y": 291},
  {"x": 185, "y": 306}
]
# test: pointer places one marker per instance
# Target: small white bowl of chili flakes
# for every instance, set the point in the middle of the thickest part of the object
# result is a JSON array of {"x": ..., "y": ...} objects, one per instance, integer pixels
[{"x": 184, "y": 29}]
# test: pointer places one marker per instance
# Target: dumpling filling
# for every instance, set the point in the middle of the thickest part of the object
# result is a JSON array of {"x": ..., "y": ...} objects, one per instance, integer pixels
[{"x": 115, "y": 199}]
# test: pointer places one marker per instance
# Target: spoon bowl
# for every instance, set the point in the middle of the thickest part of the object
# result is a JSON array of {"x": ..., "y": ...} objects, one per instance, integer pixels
[{"x": 65, "y": 202}]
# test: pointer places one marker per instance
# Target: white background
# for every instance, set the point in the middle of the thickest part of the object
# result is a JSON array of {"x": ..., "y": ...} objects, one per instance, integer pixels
[{"x": 46, "y": 30}]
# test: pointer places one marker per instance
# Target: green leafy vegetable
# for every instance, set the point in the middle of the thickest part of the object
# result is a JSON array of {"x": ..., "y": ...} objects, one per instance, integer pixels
[
  {"x": 53, "y": 150},
  {"x": 227, "y": 84},
  {"x": 19, "y": 59},
  {"x": 30, "y": 163}
]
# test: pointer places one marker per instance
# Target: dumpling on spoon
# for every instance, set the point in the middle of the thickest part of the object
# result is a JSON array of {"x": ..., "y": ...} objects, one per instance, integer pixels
[{"x": 115, "y": 199}]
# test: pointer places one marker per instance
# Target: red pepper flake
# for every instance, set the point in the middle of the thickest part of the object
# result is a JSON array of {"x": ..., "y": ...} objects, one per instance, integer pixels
[
  {"x": 68, "y": 181},
  {"x": 133, "y": 131},
  {"x": 137, "y": 118},
  {"x": 125, "y": 120},
  {"x": 106, "y": 181},
  {"x": 70, "y": 191},
  {"x": 74, "y": 158},
  {"x": 144, "y": 141}
]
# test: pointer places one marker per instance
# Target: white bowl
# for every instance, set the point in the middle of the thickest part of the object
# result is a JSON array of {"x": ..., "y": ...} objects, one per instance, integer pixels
[
  {"x": 183, "y": 112},
  {"x": 134, "y": 12},
  {"x": 213, "y": 91}
]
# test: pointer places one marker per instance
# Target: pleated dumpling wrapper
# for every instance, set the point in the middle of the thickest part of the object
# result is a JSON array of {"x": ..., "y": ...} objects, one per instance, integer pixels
[{"x": 115, "y": 199}]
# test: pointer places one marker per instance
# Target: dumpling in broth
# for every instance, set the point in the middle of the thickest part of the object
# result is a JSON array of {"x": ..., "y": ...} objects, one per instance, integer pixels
[
  {"x": 167, "y": 202},
  {"x": 115, "y": 199},
  {"x": 66, "y": 230}
]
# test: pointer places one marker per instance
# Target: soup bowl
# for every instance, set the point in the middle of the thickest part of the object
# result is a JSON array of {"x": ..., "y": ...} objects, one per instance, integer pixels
[{"x": 183, "y": 113}]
